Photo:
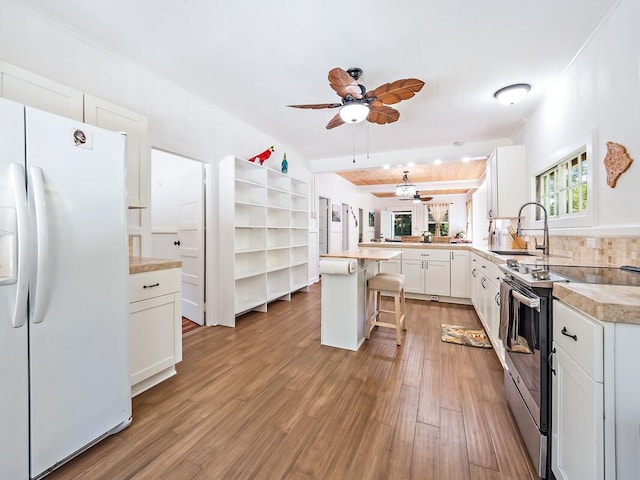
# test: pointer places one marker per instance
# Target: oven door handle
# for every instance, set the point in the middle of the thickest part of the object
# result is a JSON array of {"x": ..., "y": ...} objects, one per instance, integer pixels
[
  {"x": 529, "y": 302},
  {"x": 550, "y": 359}
]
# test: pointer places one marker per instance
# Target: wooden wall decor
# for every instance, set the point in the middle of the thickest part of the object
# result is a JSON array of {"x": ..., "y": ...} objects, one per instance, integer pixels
[{"x": 617, "y": 161}]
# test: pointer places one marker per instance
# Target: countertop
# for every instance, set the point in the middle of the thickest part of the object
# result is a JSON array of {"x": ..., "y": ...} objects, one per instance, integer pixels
[
  {"x": 146, "y": 264},
  {"x": 607, "y": 303},
  {"x": 364, "y": 254}
]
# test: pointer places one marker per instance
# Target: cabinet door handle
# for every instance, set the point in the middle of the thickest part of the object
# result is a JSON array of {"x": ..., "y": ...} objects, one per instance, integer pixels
[
  {"x": 497, "y": 298},
  {"x": 473, "y": 272},
  {"x": 482, "y": 282},
  {"x": 177, "y": 242},
  {"x": 550, "y": 359},
  {"x": 567, "y": 334},
  {"x": 151, "y": 286},
  {"x": 452, "y": 256}
]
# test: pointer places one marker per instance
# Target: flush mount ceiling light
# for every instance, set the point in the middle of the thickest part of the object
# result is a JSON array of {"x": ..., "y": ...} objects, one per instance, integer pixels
[
  {"x": 512, "y": 93},
  {"x": 354, "y": 112},
  {"x": 405, "y": 189}
]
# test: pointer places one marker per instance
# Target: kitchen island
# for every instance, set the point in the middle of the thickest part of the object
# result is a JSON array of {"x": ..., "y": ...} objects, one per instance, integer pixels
[{"x": 344, "y": 294}]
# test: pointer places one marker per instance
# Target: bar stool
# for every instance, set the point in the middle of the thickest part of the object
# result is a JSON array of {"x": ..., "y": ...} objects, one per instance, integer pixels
[{"x": 392, "y": 284}]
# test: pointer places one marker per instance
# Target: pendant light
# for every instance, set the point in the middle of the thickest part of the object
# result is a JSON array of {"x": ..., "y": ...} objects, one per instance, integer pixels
[{"x": 405, "y": 189}]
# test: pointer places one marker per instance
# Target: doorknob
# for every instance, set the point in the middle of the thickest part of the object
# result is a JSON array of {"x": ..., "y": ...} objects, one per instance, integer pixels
[{"x": 177, "y": 242}]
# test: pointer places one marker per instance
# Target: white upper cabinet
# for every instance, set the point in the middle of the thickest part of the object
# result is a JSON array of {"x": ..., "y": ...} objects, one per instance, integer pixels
[
  {"x": 113, "y": 117},
  {"x": 39, "y": 92},
  {"x": 506, "y": 181}
]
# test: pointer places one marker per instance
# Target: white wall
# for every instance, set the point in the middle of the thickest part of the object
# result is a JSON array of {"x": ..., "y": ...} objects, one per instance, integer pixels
[
  {"x": 339, "y": 191},
  {"x": 601, "y": 91},
  {"x": 179, "y": 121}
]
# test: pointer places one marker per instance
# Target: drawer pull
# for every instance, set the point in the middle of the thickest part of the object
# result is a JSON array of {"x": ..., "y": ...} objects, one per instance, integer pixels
[
  {"x": 567, "y": 334},
  {"x": 151, "y": 286}
]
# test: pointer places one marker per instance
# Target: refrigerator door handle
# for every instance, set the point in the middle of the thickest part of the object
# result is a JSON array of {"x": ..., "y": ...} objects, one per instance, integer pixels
[
  {"x": 41, "y": 284},
  {"x": 17, "y": 179}
]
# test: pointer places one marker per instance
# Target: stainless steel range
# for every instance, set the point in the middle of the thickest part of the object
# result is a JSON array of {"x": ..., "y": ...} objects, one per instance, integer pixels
[{"x": 526, "y": 331}]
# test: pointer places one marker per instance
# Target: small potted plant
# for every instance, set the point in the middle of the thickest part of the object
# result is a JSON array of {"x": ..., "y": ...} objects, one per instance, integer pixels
[{"x": 426, "y": 236}]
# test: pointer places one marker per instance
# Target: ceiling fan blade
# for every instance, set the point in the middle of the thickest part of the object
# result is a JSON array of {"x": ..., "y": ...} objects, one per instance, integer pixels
[
  {"x": 317, "y": 106},
  {"x": 344, "y": 84},
  {"x": 382, "y": 115},
  {"x": 335, "y": 122},
  {"x": 395, "y": 92}
]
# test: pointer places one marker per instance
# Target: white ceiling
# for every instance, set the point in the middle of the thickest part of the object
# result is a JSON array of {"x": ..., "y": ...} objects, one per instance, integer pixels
[{"x": 252, "y": 58}]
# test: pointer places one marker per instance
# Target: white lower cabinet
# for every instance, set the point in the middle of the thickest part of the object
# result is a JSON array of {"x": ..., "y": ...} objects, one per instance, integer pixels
[
  {"x": 577, "y": 421},
  {"x": 155, "y": 333},
  {"x": 485, "y": 297},
  {"x": 595, "y": 397},
  {"x": 392, "y": 266},
  {"x": 427, "y": 272},
  {"x": 460, "y": 278}
]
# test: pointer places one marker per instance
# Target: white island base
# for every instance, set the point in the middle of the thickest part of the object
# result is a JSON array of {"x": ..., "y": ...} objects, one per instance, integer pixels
[{"x": 344, "y": 295}]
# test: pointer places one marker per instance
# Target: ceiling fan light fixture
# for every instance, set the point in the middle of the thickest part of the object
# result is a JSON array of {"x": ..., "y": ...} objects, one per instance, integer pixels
[
  {"x": 512, "y": 93},
  {"x": 354, "y": 112}
]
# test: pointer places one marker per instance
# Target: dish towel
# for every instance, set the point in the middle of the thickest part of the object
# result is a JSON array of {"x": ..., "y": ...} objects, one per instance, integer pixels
[{"x": 505, "y": 308}]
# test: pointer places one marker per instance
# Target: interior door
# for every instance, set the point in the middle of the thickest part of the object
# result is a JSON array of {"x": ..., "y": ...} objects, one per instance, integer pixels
[
  {"x": 386, "y": 224},
  {"x": 191, "y": 238},
  {"x": 323, "y": 225},
  {"x": 345, "y": 226}
]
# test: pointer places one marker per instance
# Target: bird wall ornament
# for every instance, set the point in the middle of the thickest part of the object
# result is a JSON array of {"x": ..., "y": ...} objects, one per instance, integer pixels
[{"x": 263, "y": 156}]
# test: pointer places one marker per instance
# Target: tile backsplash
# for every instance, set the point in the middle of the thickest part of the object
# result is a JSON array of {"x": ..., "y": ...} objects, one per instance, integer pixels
[{"x": 614, "y": 251}]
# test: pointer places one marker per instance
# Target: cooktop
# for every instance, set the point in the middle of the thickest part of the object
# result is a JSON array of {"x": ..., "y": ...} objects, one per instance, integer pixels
[
  {"x": 603, "y": 275},
  {"x": 544, "y": 275}
]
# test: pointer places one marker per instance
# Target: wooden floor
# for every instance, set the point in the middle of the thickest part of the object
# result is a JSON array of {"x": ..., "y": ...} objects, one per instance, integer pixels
[
  {"x": 188, "y": 325},
  {"x": 265, "y": 400}
]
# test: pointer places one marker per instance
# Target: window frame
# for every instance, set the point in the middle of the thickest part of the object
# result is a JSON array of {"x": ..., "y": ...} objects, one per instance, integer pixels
[
  {"x": 581, "y": 219},
  {"x": 395, "y": 213}
]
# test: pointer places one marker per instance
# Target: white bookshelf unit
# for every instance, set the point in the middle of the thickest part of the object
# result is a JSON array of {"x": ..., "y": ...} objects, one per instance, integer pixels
[{"x": 264, "y": 237}]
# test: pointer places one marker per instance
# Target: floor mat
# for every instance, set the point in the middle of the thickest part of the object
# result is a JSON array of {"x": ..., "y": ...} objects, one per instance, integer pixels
[{"x": 472, "y": 337}]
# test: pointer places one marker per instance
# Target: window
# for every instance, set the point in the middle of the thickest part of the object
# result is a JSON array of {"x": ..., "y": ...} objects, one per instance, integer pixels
[
  {"x": 401, "y": 224},
  {"x": 444, "y": 225},
  {"x": 564, "y": 188}
]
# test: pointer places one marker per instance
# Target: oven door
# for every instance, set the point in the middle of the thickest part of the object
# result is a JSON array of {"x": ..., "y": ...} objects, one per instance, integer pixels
[{"x": 526, "y": 380}]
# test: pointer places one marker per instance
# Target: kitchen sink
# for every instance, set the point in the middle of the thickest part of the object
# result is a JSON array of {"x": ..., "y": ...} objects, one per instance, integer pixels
[{"x": 514, "y": 252}]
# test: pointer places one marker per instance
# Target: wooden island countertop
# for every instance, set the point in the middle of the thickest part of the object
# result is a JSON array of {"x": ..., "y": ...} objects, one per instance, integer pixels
[{"x": 364, "y": 254}]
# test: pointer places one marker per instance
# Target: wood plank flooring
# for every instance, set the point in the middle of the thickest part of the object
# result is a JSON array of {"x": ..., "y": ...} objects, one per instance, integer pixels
[{"x": 265, "y": 400}]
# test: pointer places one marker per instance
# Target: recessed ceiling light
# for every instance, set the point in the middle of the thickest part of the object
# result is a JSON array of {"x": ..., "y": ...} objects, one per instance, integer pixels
[
  {"x": 512, "y": 93},
  {"x": 437, "y": 161},
  {"x": 399, "y": 165},
  {"x": 410, "y": 164},
  {"x": 466, "y": 159},
  {"x": 386, "y": 166}
]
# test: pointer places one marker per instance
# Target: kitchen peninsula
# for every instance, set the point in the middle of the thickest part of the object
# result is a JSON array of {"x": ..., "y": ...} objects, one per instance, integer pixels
[{"x": 344, "y": 294}]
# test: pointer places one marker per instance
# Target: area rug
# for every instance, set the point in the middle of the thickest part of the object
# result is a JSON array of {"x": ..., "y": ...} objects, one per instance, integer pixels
[{"x": 472, "y": 337}]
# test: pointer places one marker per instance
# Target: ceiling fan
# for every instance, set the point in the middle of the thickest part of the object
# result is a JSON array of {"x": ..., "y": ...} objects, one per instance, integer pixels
[
  {"x": 359, "y": 104},
  {"x": 417, "y": 198}
]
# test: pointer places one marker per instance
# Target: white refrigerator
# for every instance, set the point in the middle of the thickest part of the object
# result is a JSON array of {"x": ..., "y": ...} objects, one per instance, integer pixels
[{"x": 64, "y": 380}]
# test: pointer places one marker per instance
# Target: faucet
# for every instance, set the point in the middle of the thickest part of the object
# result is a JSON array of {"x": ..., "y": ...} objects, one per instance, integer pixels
[{"x": 545, "y": 245}]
